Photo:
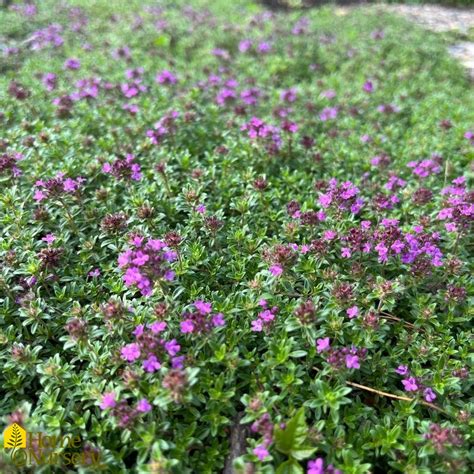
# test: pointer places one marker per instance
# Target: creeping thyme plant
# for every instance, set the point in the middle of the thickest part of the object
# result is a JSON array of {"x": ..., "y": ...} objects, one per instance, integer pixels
[{"x": 234, "y": 238}]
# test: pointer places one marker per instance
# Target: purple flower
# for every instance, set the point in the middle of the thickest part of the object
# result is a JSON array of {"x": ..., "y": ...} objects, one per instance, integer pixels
[
  {"x": 39, "y": 195},
  {"x": 177, "y": 362},
  {"x": 325, "y": 200},
  {"x": 49, "y": 80},
  {"x": 94, "y": 273},
  {"x": 425, "y": 168},
  {"x": 352, "y": 312},
  {"x": 70, "y": 185},
  {"x": 316, "y": 466},
  {"x": 166, "y": 77},
  {"x": 410, "y": 384},
  {"x": 329, "y": 234},
  {"x": 266, "y": 315},
  {"x": 402, "y": 370},
  {"x": 169, "y": 275},
  {"x": 203, "y": 307},
  {"x": 122, "y": 53},
  {"x": 201, "y": 208},
  {"x": 218, "y": 320},
  {"x": 290, "y": 127},
  {"x": 130, "y": 352},
  {"x": 145, "y": 263},
  {"x": 257, "y": 325},
  {"x": 72, "y": 64},
  {"x": 264, "y": 47},
  {"x": 49, "y": 238},
  {"x": 346, "y": 252},
  {"x": 276, "y": 270},
  {"x": 108, "y": 400},
  {"x": 172, "y": 347},
  {"x": 187, "y": 326},
  {"x": 328, "y": 113},
  {"x": 225, "y": 95},
  {"x": 368, "y": 87},
  {"x": 124, "y": 168},
  {"x": 132, "y": 109},
  {"x": 151, "y": 364},
  {"x": 352, "y": 361},
  {"x": 429, "y": 394},
  {"x": 329, "y": 94},
  {"x": 377, "y": 34},
  {"x": 157, "y": 327},
  {"x": 143, "y": 406},
  {"x": 288, "y": 95},
  {"x": 261, "y": 452},
  {"x": 323, "y": 344},
  {"x": 245, "y": 45}
]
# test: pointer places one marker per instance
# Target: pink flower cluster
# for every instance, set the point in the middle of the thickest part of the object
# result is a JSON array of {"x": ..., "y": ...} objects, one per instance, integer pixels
[
  {"x": 124, "y": 168},
  {"x": 425, "y": 168},
  {"x": 251, "y": 96},
  {"x": 201, "y": 320},
  {"x": 49, "y": 80},
  {"x": 88, "y": 88},
  {"x": 132, "y": 89},
  {"x": 265, "y": 317},
  {"x": 328, "y": 113},
  {"x": 225, "y": 96},
  {"x": 8, "y": 163},
  {"x": 459, "y": 207},
  {"x": 349, "y": 357},
  {"x": 49, "y": 36},
  {"x": 257, "y": 129},
  {"x": 166, "y": 77},
  {"x": 442, "y": 437},
  {"x": 264, "y": 427},
  {"x": 56, "y": 187},
  {"x": 122, "y": 411},
  {"x": 418, "y": 248},
  {"x": 165, "y": 127},
  {"x": 147, "y": 261},
  {"x": 280, "y": 257},
  {"x": 413, "y": 384},
  {"x": 247, "y": 45},
  {"x": 342, "y": 196},
  {"x": 316, "y": 466},
  {"x": 307, "y": 217},
  {"x": 151, "y": 348}
]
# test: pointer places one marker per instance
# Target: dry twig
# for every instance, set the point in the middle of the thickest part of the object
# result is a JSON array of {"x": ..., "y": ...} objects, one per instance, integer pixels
[{"x": 398, "y": 397}]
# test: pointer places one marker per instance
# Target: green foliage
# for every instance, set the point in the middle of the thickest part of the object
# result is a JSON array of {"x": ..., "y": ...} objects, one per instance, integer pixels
[{"x": 241, "y": 219}]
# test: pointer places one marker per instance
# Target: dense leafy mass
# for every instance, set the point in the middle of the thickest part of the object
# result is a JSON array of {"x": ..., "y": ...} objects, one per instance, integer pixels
[{"x": 223, "y": 223}]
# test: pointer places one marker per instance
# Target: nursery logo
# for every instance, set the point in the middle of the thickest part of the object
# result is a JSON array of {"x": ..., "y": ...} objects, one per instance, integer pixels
[
  {"x": 14, "y": 437},
  {"x": 27, "y": 449}
]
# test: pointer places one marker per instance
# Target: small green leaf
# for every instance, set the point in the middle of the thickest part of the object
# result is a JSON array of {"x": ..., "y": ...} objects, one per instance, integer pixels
[
  {"x": 162, "y": 41},
  {"x": 298, "y": 354},
  {"x": 293, "y": 435},
  {"x": 302, "y": 452},
  {"x": 289, "y": 467}
]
